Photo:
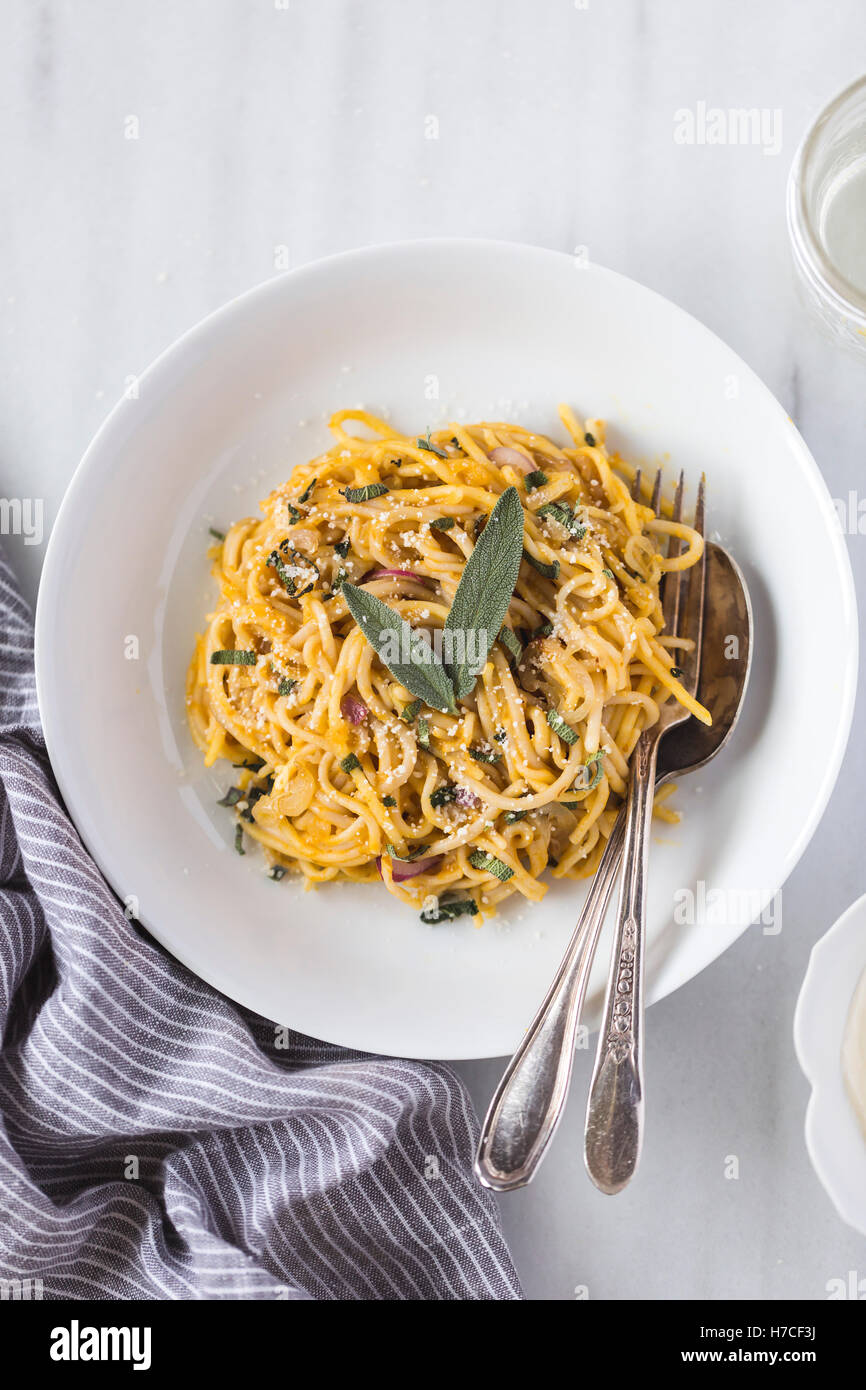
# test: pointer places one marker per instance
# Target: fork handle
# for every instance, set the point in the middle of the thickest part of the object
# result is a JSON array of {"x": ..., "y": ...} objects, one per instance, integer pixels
[
  {"x": 615, "y": 1109},
  {"x": 530, "y": 1098}
]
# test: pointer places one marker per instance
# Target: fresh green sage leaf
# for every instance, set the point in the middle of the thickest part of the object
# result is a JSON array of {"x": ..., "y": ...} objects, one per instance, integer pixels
[
  {"x": 365, "y": 493},
  {"x": 447, "y": 911},
  {"x": 441, "y": 796},
  {"x": 485, "y": 591},
  {"x": 480, "y": 755},
  {"x": 559, "y": 726},
  {"x": 567, "y": 519},
  {"x": 430, "y": 447},
  {"x": 512, "y": 644},
  {"x": 237, "y": 657},
  {"x": 549, "y": 571},
  {"x": 480, "y": 859},
  {"x": 407, "y": 656}
]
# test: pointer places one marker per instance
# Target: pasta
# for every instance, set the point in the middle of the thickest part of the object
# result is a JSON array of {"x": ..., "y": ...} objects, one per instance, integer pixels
[{"x": 342, "y": 771}]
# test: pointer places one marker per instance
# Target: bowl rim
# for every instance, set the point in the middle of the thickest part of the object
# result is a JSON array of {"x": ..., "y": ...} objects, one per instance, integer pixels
[{"x": 116, "y": 420}]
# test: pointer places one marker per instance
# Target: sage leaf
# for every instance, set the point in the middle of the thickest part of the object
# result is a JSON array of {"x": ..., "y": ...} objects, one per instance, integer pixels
[
  {"x": 565, "y": 517},
  {"x": 405, "y": 653},
  {"x": 480, "y": 859},
  {"x": 367, "y": 493},
  {"x": 550, "y": 571},
  {"x": 485, "y": 590},
  {"x": 447, "y": 911},
  {"x": 559, "y": 726},
  {"x": 233, "y": 657},
  {"x": 431, "y": 447},
  {"x": 232, "y": 797},
  {"x": 512, "y": 644}
]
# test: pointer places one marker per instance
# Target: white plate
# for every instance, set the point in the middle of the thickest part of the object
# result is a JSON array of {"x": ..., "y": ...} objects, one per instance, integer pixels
[
  {"x": 497, "y": 330},
  {"x": 834, "y": 1139}
]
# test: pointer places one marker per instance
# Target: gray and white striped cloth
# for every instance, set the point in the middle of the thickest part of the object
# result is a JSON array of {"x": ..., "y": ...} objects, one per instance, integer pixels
[{"x": 155, "y": 1143}]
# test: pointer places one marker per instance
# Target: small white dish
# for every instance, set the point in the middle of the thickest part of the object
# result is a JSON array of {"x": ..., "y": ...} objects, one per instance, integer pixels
[
  {"x": 425, "y": 331},
  {"x": 834, "y": 1137}
]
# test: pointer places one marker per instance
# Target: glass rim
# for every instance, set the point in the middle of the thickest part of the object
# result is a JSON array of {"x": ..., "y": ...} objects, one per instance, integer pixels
[{"x": 818, "y": 269}]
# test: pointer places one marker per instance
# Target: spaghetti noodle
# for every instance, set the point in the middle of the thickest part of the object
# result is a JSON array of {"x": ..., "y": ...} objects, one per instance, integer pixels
[{"x": 344, "y": 773}]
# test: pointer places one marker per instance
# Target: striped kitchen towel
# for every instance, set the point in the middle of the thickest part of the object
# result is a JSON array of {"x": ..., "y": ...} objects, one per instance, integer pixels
[{"x": 156, "y": 1142}]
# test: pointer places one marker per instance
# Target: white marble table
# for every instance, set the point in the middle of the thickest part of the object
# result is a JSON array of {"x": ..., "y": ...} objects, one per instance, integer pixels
[{"x": 268, "y": 131}]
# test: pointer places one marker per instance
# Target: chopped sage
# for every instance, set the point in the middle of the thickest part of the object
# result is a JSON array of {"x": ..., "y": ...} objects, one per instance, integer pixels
[
  {"x": 559, "y": 726},
  {"x": 233, "y": 658},
  {"x": 232, "y": 797},
  {"x": 446, "y": 912},
  {"x": 480, "y": 859},
  {"x": 550, "y": 571},
  {"x": 430, "y": 447},
  {"x": 365, "y": 493}
]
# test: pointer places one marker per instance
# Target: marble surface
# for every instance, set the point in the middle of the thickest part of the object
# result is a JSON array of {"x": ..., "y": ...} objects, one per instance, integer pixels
[{"x": 158, "y": 159}]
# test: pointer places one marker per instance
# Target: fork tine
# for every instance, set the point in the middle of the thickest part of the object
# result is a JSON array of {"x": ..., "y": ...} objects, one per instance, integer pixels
[
  {"x": 657, "y": 492},
  {"x": 635, "y": 487},
  {"x": 693, "y": 618},
  {"x": 674, "y": 578}
]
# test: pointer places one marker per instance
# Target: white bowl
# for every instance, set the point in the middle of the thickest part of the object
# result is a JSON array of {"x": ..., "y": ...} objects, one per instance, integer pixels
[
  {"x": 834, "y": 1138},
  {"x": 426, "y": 331}
]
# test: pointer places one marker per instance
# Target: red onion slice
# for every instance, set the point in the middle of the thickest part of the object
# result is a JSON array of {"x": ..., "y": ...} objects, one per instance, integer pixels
[
  {"x": 401, "y": 869},
  {"x": 502, "y": 455},
  {"x": 353, "y": 709},
  {"x": 464, "y": 797}
]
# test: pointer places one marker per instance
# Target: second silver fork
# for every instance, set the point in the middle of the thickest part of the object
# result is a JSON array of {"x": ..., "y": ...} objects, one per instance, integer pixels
[{"x": 615, "y": 1109}]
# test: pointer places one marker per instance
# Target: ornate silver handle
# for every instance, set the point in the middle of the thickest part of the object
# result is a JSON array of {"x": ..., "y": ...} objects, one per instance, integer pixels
[
  {"x": 615, "y": 1109},
  {"x": 529, "y": 1100}
]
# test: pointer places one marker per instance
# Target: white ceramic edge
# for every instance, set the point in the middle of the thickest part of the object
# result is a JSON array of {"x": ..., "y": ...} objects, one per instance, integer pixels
[
  {"x": 51, "y": 582},
  {"x": 834, "y": 1140}
]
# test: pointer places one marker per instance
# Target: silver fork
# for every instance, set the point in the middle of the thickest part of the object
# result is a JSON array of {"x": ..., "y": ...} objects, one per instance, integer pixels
[{"x": 615, "y": 1109}]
